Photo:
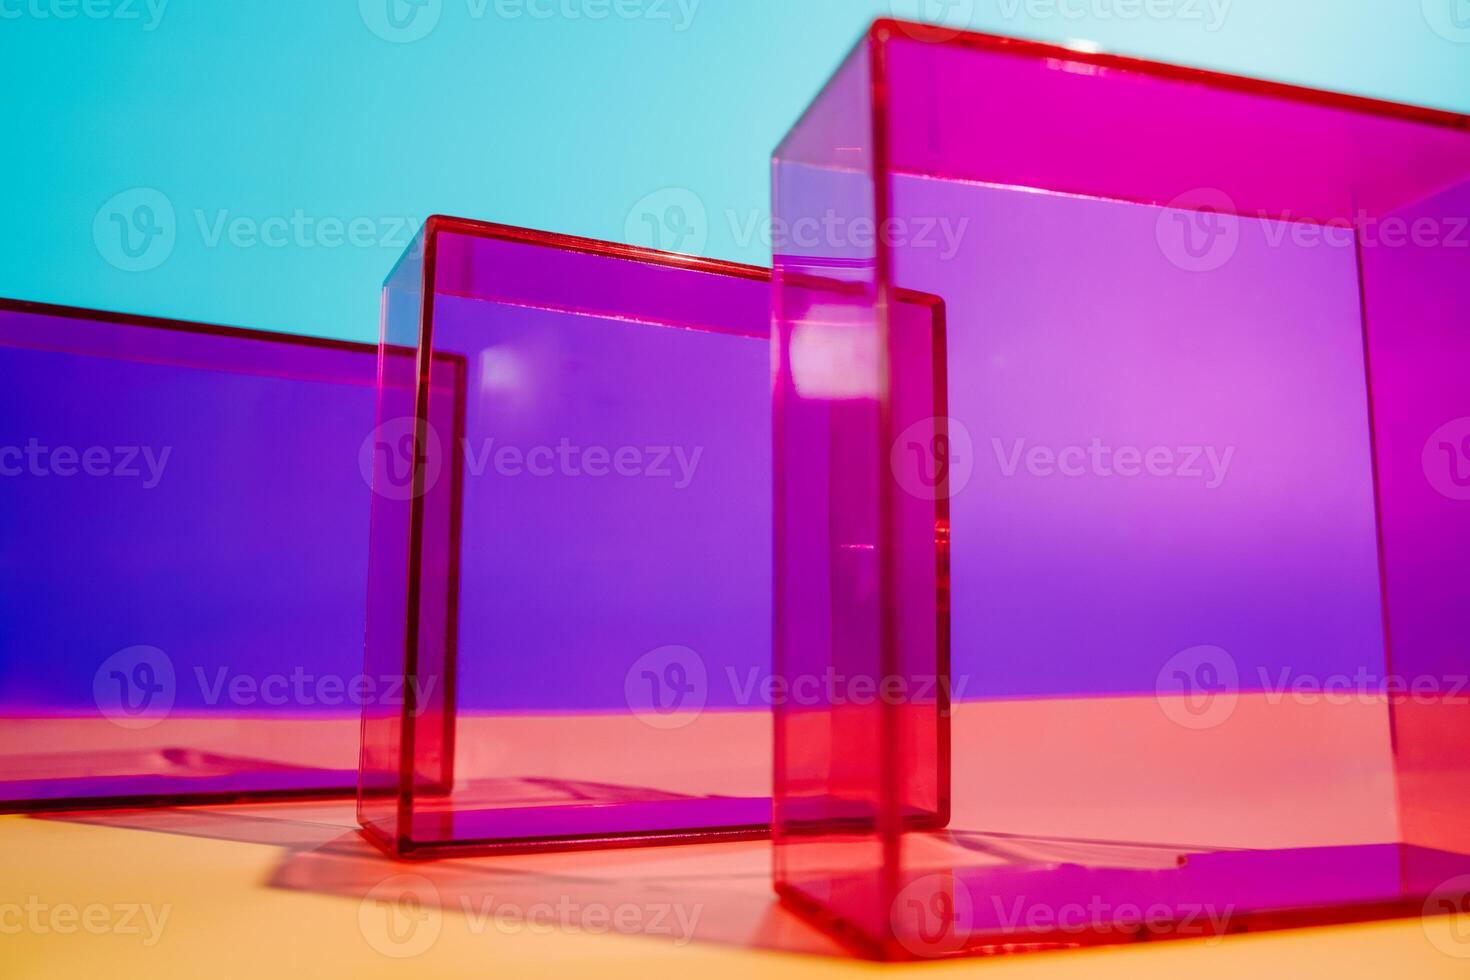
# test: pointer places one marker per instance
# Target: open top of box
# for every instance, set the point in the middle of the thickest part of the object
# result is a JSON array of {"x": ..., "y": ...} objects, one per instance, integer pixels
[{"x": 1030, "y": 115}]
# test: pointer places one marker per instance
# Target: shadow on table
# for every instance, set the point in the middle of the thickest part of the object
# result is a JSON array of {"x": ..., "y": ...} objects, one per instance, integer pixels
[{"x": 716, "y": 893}]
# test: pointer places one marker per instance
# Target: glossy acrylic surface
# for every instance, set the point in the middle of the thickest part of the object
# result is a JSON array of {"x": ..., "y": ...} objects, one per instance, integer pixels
[
  {"x": 1204, "y": 464},
  {"x": 184, "y": 560},
  {"x": 581, "y": 554}
]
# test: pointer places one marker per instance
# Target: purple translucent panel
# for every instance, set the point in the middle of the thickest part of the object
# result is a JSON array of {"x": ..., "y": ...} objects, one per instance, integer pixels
[
  {"x": 1203, "y": 475},
  {"x": 183, "y": 565},
  {"x": 571, "y": 554}
]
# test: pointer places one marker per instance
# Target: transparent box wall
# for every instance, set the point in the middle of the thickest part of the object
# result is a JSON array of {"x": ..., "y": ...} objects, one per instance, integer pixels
[
  {"x": 1206, "y": 465},
  {"x": 183, "y": 564},
  {"x": 571, "y": 546}
]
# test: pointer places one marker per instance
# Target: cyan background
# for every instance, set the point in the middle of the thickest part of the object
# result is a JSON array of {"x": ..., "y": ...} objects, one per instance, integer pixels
[{"x": 534, "y": 112}]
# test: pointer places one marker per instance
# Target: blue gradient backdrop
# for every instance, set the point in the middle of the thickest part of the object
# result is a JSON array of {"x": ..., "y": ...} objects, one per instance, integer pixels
[{"x": 295, "y": 142}]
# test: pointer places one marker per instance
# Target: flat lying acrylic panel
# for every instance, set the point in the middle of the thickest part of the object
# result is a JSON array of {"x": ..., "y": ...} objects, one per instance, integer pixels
[
  {"x": 184, "y": 561},
  {"x": 571, "y": 549},
  {"x": 1206, "y": 465}
]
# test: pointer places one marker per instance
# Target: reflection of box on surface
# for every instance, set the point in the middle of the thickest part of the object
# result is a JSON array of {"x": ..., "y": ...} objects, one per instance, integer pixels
[
  {"x": 183, "y": 562},
  {"x": 1206, "y": 461}
]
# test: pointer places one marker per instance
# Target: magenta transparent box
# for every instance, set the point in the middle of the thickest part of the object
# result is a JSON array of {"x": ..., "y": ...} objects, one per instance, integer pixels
[
  {"x": 570, "y": 546},
  {"x": 1187, "y": 541},
  {"x": 184, "y": 561}
]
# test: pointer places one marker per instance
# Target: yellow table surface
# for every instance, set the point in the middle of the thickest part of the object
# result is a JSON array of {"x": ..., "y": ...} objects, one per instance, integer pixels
[{"x": 285, "y": 890}]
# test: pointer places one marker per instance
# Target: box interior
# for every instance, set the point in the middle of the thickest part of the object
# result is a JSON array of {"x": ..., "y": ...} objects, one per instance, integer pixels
[
  {"x": 1197, "y": 561},
  {"x": 181, "y": 583}
]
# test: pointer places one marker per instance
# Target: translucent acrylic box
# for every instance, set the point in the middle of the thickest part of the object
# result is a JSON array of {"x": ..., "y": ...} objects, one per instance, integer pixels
[
  {"x": 184, "y": 561},
  {"x": 1204, "y": 500},
  {"x": 570, "y": 546}
]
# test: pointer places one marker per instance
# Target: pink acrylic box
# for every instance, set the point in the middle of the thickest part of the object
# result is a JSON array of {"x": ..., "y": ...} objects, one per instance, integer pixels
[
  {"x": 570, "y": 546},
  {"x": 1200, "y": 583}
]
